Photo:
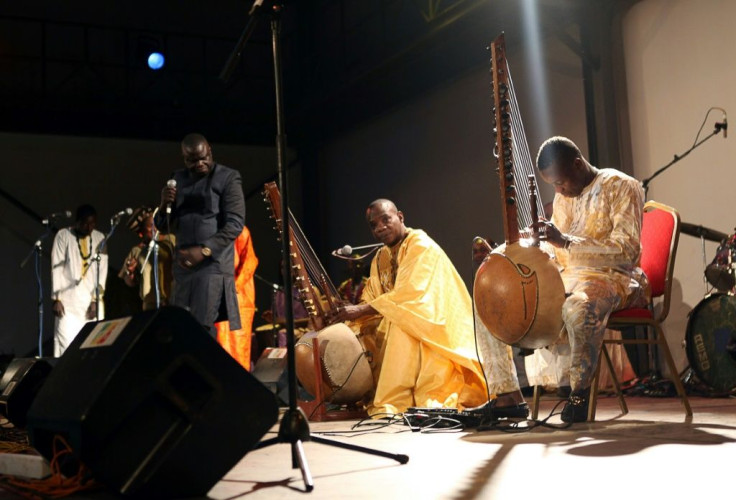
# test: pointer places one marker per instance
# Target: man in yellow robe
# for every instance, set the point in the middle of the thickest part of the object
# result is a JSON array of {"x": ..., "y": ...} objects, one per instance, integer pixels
[
  {"x": 425, "y": 344},
  {"x": 595, "y": 234}
]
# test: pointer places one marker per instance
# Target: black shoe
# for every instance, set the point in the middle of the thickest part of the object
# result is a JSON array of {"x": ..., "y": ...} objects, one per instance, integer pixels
[
  {"x": 576, "y": 408},
  {"x": 491, "y": 411}
]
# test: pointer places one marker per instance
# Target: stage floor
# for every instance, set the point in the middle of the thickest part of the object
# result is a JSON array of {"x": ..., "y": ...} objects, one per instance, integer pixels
[{"x": 651, "y": 451}]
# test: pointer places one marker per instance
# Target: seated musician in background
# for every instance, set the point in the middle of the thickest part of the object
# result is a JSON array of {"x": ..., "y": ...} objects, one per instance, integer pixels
[
  {"x": 351, "y": 290},
  {"x": 595, "y": 231},
  {"x": 425, "y": 346},
  {"x": 138, "y": 268},
  {"x": 276, "y": 316}
]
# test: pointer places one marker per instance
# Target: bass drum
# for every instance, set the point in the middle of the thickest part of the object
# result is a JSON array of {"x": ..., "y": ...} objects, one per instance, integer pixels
[{"x": 710, "y": 341}]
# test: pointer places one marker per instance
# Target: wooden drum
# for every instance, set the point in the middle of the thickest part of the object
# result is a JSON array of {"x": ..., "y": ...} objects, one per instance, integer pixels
[{"x": 346, "y": 372}]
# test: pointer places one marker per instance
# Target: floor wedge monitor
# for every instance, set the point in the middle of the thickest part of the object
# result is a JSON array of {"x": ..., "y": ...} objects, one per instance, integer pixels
[
  {"x": 152, "y": 405},
  {"x": 19, "y": 385}
]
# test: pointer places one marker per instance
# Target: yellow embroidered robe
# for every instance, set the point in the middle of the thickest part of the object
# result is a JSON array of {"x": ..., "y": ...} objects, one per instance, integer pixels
[{"x": 426, "y": 351}]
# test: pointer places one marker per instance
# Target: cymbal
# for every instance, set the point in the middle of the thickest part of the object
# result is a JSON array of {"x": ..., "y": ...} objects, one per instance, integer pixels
[
  {"x": 279, "y": 323},
  {"x": 702, "y": 231},
  {"x": 266, "y": 328},
  {"x": 297, "y": 321}
]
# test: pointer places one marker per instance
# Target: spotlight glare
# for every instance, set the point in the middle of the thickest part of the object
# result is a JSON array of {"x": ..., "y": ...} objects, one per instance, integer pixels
[{"x": 155, "y": 60}]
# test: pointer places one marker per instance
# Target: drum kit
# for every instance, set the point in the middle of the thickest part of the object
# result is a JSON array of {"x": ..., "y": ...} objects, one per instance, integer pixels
[{"x": 710, "y": 339}]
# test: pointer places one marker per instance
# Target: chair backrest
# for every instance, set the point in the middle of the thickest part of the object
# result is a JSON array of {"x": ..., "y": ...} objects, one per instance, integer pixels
[{"x": 660, "y": 232}]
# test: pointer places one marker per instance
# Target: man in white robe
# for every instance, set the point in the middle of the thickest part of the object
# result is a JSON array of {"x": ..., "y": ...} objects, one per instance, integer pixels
[{"x": 74, "y": 277}]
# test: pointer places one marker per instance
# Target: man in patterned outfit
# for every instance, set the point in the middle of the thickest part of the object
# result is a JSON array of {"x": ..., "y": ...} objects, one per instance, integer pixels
[{"x": 595, "y": 234}]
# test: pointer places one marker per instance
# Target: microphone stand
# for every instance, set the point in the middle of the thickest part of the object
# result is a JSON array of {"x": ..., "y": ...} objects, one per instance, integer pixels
[
  {"x": 264, "y": 280},
  {"x": 655, "y": 375},
  {"x": 349, "y": 256},
  {"x": 294, "y": 428},
  {"x": 114, "y": 221},
  {"x": 37, "y": 251},
  {"x": 153, "y": 248},
  {"x": 645, "y": 182},
  {"x": 155, "y": 274}
]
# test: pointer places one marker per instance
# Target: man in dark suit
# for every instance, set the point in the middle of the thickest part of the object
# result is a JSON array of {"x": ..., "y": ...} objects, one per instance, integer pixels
[{"x": 205, "y": 209}]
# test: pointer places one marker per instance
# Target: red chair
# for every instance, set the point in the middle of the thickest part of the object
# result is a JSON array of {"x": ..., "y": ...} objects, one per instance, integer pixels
[{"x": 660, "y": 233}]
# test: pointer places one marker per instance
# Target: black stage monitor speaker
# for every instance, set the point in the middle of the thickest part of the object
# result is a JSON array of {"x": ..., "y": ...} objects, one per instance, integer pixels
[
  {"x": 20, "y": 384},
  {"x": 152, "y": 405}
]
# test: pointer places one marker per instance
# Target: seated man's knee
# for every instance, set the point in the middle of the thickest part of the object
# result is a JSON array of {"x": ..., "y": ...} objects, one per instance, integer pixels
[{"x": 575, "y": 306}]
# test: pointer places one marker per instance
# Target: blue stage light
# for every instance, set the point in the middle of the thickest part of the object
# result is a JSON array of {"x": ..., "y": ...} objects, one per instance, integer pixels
[{"x": 156, "y": 60}]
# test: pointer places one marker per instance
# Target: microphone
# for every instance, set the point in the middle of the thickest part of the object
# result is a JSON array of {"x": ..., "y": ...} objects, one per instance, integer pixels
[
  {"x": 272, "y": 285},
  {"x": 723, "y": 126},
  {"x": 126, "y": 211},
  {"x": 171, "y": 183},
  {"x": 348, "y": 250},
  {"x": 64, "y": 213}
]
